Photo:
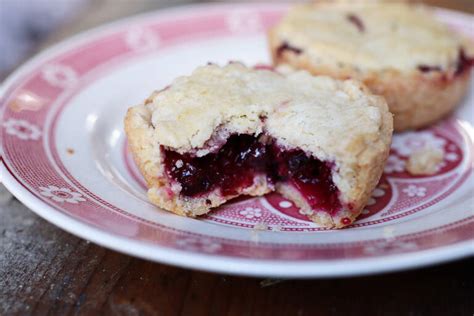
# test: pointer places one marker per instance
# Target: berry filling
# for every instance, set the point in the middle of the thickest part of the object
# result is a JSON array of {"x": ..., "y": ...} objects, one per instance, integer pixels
[
  {"x": 233, "y": 167},
  {"x": 287, "y": 47},
  {"x": 244, "y": 157},
  {"x": 354, "y": 19},
  {"x": 310, "y": 176},
  {"x": 427, "y": 68},
  {"x": 464, "y": 62}
]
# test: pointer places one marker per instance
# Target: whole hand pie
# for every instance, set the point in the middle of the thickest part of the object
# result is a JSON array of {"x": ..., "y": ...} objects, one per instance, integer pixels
[
  {"x": 397, "y": 50},
  {"x": 228, "y": 131}
]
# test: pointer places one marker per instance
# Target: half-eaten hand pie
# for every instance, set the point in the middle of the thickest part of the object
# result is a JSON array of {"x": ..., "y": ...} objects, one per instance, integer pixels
[{"x": 228, "y": 131}]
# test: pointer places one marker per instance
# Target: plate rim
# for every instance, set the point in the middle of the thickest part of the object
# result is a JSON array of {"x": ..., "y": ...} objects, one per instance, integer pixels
[{"x": 209, "y": 262}]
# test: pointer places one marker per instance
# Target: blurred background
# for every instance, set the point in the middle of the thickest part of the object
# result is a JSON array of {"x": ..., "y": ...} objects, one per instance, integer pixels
[{"x": 27, "y": 26}]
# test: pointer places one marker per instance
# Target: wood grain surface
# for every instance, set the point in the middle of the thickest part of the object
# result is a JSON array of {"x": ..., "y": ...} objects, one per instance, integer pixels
[{"x": 46, "y": 271}]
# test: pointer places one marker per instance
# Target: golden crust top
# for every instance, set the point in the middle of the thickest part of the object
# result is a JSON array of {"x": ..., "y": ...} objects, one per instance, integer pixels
[{"x": 370, "y": 36}]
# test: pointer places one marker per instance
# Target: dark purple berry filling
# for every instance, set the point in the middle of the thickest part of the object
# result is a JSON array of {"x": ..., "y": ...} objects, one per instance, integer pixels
[
  {"x": 464, "y": 62},
  {"x": 426, "y": 68},
  {"x": 233, "y": 167},
  {"x": 241, "y": 159},
  {"x": 287, "y": 47},
  {"x": 310, "y": 176},
  {"x": 354, "y": 19}
]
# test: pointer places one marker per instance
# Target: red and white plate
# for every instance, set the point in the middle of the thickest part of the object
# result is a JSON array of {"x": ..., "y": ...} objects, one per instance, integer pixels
[{"x": 64, "y": 155}]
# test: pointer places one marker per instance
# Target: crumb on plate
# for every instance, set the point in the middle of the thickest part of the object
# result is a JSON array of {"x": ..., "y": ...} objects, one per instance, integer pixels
[{"x": 425, "y": 161}]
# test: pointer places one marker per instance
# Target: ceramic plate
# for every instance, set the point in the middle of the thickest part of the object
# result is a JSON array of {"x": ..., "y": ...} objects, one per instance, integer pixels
[{"x": 64, "y": 155}]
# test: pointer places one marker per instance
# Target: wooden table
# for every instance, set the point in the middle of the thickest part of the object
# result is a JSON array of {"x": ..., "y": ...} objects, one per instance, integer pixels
[{"x": 44, "y": 270}]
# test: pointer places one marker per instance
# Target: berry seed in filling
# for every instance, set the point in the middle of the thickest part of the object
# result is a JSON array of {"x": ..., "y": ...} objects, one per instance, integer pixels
[{"x": 228, "y": 131}]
